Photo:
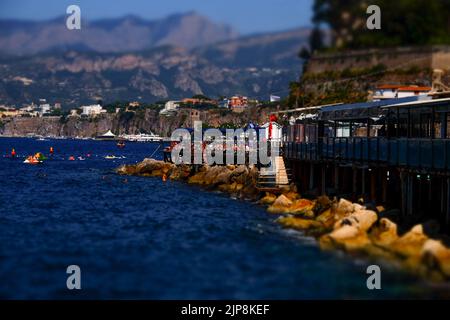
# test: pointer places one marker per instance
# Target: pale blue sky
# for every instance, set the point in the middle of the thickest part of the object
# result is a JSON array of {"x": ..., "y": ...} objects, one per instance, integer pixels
[{"x": 247, "y": 16}]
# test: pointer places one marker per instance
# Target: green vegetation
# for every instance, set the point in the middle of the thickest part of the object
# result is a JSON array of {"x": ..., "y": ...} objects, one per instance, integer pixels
[
  {"x": 200, "y": 97},
  {"x": 124, "y": 105},
  {"x": 403, "y": 23}
]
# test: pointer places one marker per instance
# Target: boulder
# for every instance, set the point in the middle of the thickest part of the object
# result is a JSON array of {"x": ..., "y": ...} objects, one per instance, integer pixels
[
  {"x": 198, "y": 178},
  {"x": 348, "y": 238},
  {"x": 147, "y": 166},
  {"x": 302, "y": 207},
  {"x": 268, "y": 199},
  {"x": 126, "y": 170},
  {"x": 436, "y": 257},
  {"x": 384, "y": 233},
  {"x": 281, "y": 205},
  {"x": 322, "y": 204},
  {"x": 292, "y": 195},
  {"x": 326, "y": 218},
  {"x": 212, "y": 173},
  {"x": 362, "y": 219},
  {"x": 299, "y": 223},
  {"x": 343, "y": 208},
  {"x": 410, "y": 244}
]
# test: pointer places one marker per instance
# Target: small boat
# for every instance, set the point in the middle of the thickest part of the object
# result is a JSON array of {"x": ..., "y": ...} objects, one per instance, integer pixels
[
  {"x": 32, "y": 160},
  {"x": 142, "y": 137},
  {"x": 121, "y": 144},
  {"x": 111, "y": 157},
  {"x": 81, "y": 158}
]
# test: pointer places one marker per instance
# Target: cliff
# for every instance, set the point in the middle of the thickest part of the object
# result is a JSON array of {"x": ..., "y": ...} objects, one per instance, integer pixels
[{"x": 126, "y": 122}]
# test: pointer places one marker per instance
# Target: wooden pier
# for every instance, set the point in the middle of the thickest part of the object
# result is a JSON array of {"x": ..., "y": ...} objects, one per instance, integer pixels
[{"x": 392, "y": 152}]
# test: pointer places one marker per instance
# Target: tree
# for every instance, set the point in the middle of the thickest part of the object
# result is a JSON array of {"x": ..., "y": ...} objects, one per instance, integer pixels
[
  {"x": 404, "y": 22},
  {"x": 316, "y": 39}
]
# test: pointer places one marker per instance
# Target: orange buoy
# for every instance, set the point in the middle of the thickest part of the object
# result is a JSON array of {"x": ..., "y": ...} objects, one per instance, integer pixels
[
  {"x": 51, "y": 150},
  {"x": 71, "y": 158},
  {"x": 13, "y": 152},
  {"x": 164, "y": 177}
]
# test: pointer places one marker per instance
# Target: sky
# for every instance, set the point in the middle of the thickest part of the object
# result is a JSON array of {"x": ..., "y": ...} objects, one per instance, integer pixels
[{"x": 246, "y": 16}]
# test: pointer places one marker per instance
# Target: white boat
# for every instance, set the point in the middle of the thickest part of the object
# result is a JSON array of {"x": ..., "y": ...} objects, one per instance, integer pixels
[{"x": 142, "y": 137}]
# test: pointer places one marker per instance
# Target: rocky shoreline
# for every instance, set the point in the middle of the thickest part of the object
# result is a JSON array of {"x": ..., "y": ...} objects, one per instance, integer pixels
[{"x": 336, "y": 224}]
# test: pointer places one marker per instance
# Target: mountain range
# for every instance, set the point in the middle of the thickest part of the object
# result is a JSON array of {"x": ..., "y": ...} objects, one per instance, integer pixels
[{"x": 130, "y": 58}]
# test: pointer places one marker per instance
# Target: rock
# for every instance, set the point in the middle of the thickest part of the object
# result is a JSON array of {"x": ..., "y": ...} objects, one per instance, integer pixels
[
  {"x": 198, "y": 178},
  {"x": 241, "y": 169},
  {"x": 147, "y": 166},
  {"x": 343, "y": 208},
  {"x": 281, "y": 205},
  {"x": 302, "y": 207},
  {"x": 126, "y": 170},
  {"x": 384, "y": 233},
  {"x": 291, "y": 195},
  {"x": 223, "y": 177},
  {"x": 362, "y": 219},
  {"x": 348, "y": 237},
  {"x": 268, "y": 199},
  {"x": 322, "y": 203},
  {"x": 241, "y": 175},
  {"x": 299, "y": 223},
  {"x": 326, "y": 218},
  {"x": 249, "y": 192},
  {"x": 410, "y": 244},
  {"x": 436, "y": 257},
  {"x": 180, "y": 172},
  {"x": 212, "y": 173}
]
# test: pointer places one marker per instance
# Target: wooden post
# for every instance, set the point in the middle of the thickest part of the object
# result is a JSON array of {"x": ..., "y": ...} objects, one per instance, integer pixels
[
  {"x": 336, "y": 178},
  {"x": 447, "y": 216},
  {"x": 323, "y": 182},
  {"x": 404, "y": 192},
  {"x": 410, "y": 194},
  {"x": 373, "y": 185},
  {"x": 363, "y": 182}
]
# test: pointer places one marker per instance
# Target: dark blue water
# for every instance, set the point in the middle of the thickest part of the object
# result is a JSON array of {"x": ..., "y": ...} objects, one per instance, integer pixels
[{"x": 137, "y": 237}]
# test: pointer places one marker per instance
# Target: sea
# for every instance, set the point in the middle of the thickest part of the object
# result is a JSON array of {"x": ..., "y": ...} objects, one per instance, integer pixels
[{"x": 141, "y": 238}]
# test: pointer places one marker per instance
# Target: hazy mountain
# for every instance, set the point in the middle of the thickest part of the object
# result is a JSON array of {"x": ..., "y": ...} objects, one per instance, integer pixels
[
  {"x": 99, "y": 66},
  {"x": 278, "y": 49},
  {"x": 129, "y": 33}
]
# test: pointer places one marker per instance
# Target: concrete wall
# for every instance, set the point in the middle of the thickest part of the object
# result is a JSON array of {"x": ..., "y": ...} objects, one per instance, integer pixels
[{"x": 436, "y": 57}]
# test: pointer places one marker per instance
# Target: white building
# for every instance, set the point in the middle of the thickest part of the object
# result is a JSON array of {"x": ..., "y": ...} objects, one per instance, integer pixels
[
  {"x": 170, "y": 106},
  {"x": 92, "y": 110},
  {"x": 411, "y": 91},
  {"x": 384, "y": 92},
  {"x": 44, "y": 108}
]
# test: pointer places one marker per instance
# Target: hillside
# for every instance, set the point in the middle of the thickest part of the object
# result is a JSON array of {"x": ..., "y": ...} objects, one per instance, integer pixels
[{"x": 82, "y": 72}]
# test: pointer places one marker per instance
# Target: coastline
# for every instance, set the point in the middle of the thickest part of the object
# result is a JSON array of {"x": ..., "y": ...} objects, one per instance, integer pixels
[{"x": 335, "y": 224}]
